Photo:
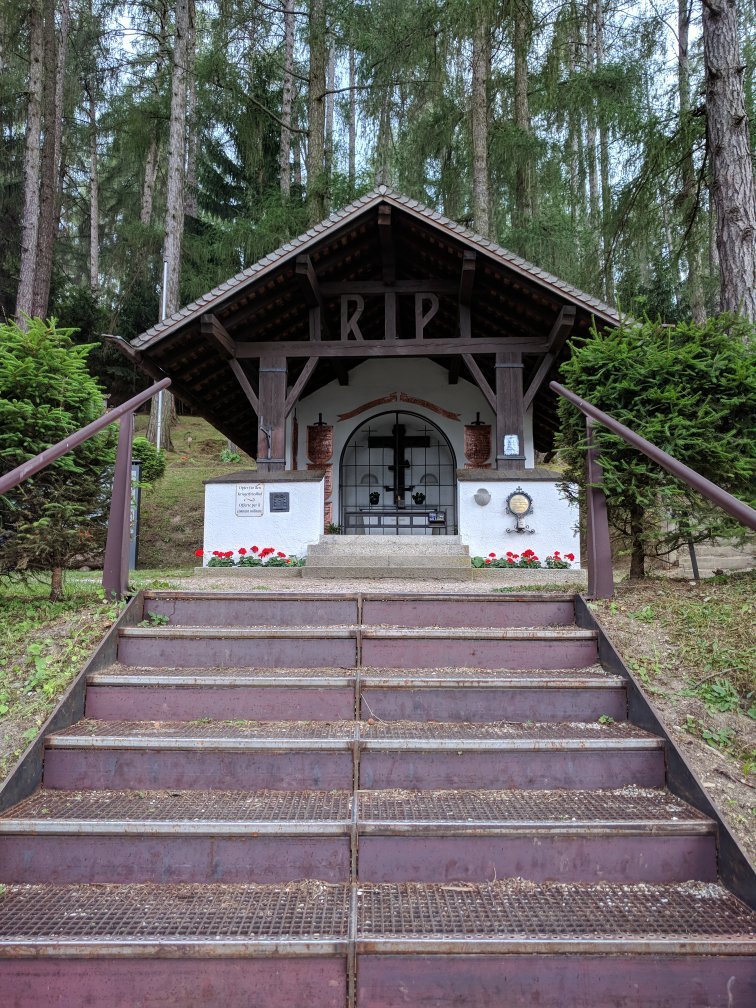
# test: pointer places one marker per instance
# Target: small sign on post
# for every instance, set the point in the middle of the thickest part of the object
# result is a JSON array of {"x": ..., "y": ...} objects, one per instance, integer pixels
[
  {"x": 511, "y": 445},
  {"x": 250, "y": 501}
]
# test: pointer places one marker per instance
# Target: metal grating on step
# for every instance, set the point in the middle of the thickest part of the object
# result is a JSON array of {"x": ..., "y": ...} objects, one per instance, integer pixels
[
  {"x": 211, "y": 729},
  {"x": 299, "y": 910},
  {"x": 501, "y": 730},
  {"x": 516, "y": 908},
  {"x": 628, "y": 804},
  {"x": 495, "y": 675},
  {"x": 271, "y": 675},
  {"x": 187, "y": 806}
]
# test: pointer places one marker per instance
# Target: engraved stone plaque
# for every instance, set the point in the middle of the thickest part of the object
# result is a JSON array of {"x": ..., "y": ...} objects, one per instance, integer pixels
[{"x": 249, "y": 500}]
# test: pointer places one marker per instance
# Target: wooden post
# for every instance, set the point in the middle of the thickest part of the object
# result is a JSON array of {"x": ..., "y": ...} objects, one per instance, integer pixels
[
  {"x": 271, "y": 437},
  {"x": 510, "y": 413},
  {"x": 600, "y": 575},
  {"x": 115, "y": 574}
]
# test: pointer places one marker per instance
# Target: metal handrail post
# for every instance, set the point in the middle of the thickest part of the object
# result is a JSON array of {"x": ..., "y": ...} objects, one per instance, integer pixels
[
  {"x": 600, "y": 573},
  {"x": 115, "y": 573}
]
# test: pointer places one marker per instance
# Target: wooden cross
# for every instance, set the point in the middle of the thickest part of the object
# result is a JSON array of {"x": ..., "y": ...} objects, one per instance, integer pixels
[{"x": 399, "y": 442}]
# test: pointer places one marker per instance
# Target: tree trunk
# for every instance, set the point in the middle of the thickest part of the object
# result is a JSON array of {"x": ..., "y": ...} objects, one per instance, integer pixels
[
  {"x": 56, "y": 584},
  {"x": 730, "y": 154},
  {"x": 183, "y": 58},
  {"x": 317, "y": 183},
  {"x": 148, "y": 186},
  {"x": 192, "y": 135},
  {"x": 284, "y": 148},
  {"x": 606, "y": 192},
  {"x": 637, "y": 552},
  {"x": 330, "y": 109},
  {"x": 352, "y": 128},
  {"x": 384, "y": 141},
  {"x": 32, "y": 162},
  {"x": 94, "y": 192},
  {"x": 481, "y": 66},
  {"x": 52, "y": 118},
  {"x": 523, "y": 202},
  {"x": 689, "y": 207},
  {"x": 593, "y": 182}
]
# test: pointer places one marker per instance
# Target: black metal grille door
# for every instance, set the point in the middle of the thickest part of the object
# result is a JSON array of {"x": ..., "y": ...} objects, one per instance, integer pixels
[{"x": 398, "y": 477}]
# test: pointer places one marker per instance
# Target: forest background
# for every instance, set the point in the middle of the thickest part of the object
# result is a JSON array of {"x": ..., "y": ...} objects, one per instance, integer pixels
[{"x": 207, "y": 132}]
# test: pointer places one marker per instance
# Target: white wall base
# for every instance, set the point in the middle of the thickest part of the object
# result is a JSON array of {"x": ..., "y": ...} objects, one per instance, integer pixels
[
  {"x": 484, "y": 528},
  {"x": 290, "y": 531}
]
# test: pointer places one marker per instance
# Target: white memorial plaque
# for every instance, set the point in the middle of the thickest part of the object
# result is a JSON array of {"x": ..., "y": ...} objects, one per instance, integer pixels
[
  {"x": 511, "y": 444},
  {"x": 249, "y": 500}
]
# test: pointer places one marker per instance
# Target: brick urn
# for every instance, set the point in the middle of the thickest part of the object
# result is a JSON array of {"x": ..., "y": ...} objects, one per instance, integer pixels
[{"x": 477, "y": 444}]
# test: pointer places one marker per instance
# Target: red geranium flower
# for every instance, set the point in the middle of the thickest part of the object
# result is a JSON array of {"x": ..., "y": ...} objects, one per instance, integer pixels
[
  {"x": 492, "y": 554},
  {"x": 528, "y": 553},
  {"x": 199, "y": 553},
  {"x": 556, "y": 553},
  {"x": 570, "y": 556},
  {"x": 241, "y": 551},
  {"x": 488, "y": 560},
  {"x": 228, "y": 553},
  {"x": 280, "y": 554},
  {"x": 216, "y": 553}
]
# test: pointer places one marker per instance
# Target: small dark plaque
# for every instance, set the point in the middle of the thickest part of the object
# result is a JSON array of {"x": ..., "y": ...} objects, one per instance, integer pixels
[
  {"x": 279, "y": 502},
  {"x": 437, "y": 517}
]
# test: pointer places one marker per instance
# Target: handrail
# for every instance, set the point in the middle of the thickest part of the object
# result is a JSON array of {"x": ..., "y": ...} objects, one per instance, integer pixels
[
  {"x": 39, "y": 462},
  {"x": 598, "y": 555},
  {"x": 116, "y": 567}
]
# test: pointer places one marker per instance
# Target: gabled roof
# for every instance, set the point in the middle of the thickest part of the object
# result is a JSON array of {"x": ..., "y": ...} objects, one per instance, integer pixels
[
  {"x": 220, "y": 295},
  {"x": 268, "y": 303}
]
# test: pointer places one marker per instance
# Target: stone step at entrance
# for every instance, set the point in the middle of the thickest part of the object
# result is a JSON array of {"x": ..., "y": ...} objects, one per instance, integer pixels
[
  {"x": 363, "y": 800},
  {"x": 354, "y": 556}
]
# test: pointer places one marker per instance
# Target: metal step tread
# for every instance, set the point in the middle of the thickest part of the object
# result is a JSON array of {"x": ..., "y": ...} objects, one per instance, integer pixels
[
  {"x": 373, "y": 631},
  {"x": 384, "y": 735},
  {"x": 594, "y": 677},
  {"x": 175, "y": 812},
  {"x": 305, "y": 596},
  {"x": 313, "y": 917}
]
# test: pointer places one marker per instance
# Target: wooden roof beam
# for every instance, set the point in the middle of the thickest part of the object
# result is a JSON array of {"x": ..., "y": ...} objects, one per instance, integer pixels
[
  {"x": 467, "y": 278},
  {"x": 336, "y": 349},
  {"x": 246, "y": 385},
  {"x": 216, "y": 334},
  {"x": 308, "y": 282},
  {"x": 292, "y": 396},
  {"x": 560, "y": 331},
  {"x": 485, "y": 388},
  {"x": 386, "y": 236}
]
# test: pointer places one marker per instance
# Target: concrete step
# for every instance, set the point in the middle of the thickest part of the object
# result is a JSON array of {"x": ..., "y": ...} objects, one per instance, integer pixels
[
  {"x": 389, "y": 543},
  {"x": 282, "y": 609},
  {"x": 485, "y": 945},
  {"x": 347, "y": 571},
  {"x": 320, "y": 755},
  {"x": 398, "y": 560},
  {"x": 476, "y": 695},
  {"x": 628, "y": 835}
]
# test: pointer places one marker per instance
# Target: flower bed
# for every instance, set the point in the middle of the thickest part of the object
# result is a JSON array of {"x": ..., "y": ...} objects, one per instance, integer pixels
[
  {"x": 527, "y": 559},
  {"x": 268, "y": 556}
]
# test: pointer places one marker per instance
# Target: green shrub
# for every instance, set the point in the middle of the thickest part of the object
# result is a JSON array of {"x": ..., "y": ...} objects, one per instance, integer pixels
[{"x": 153, "y": 461}]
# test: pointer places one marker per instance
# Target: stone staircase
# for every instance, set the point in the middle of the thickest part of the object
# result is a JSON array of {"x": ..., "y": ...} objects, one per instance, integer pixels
[
  {"x": 337, "y": 800},
  {"x": 421, "y": 557}
]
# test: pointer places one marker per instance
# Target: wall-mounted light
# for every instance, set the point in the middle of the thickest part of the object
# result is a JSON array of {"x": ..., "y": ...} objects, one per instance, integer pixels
[
  {"x": 520, "y": 504},
  {"x": 482, "y": 497}
]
